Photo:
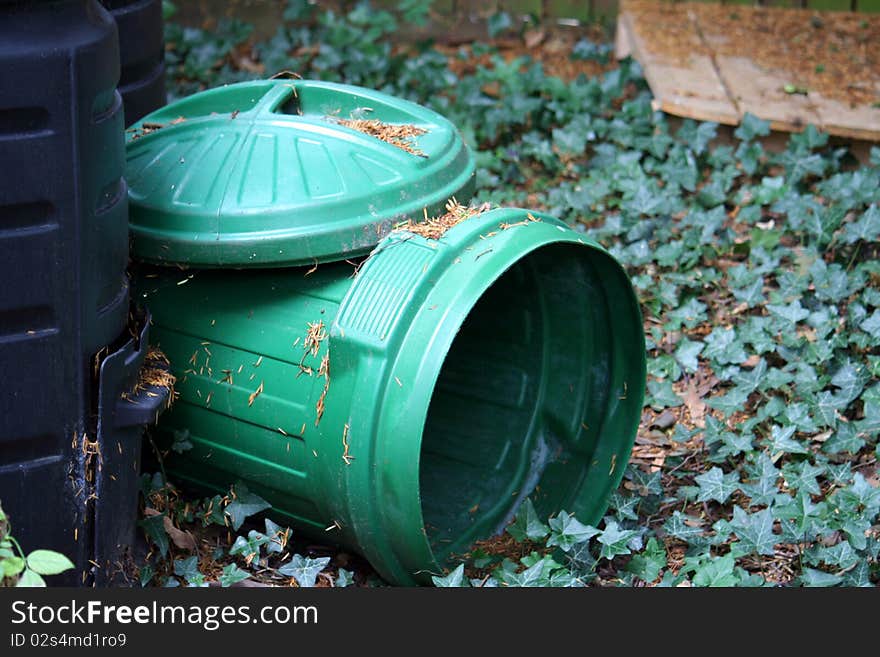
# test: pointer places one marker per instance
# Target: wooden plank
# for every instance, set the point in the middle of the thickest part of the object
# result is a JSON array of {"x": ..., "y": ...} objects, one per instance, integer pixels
[
  {"x": 761, "y": 93},
  {"x": 622, "y": 43},
  {"x": 692, "y": 91},
  {"x": 836, "y": 118}
]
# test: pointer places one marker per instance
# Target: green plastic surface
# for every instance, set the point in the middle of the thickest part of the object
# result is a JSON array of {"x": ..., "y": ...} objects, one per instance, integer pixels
[
  {"x": 504, "y": 360},
  {"x": 263, "y": 174}
]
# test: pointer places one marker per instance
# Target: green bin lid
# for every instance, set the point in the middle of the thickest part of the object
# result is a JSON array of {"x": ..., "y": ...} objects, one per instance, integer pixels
[{"x": 284, "y": 173}]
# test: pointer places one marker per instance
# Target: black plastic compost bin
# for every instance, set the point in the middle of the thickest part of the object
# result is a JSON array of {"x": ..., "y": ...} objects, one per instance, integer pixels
[
  {"x": 71, "y": 412},
  {"x": 142, "y": 55}
]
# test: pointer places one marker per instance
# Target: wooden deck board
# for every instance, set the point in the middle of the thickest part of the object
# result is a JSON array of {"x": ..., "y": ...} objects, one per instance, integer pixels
[
  {"x": 693, "y": 90},
  {"x": 762, "y": 93},
  {"x": 722, "y": 88}
]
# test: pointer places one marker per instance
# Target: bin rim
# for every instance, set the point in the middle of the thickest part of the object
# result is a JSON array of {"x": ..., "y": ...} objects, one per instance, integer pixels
[{"x": 399, "y": 424}]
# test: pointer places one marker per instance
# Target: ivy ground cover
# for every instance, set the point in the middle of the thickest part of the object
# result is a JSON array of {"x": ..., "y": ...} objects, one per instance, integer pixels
[{"x": 758, "y": 274}]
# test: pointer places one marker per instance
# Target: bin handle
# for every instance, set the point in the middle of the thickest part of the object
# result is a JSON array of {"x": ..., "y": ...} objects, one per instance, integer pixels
[{"x": 143, "y": 407}]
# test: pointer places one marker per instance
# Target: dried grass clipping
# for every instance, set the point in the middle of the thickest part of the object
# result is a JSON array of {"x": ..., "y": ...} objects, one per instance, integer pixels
[
  {"x": 156, "y": 373},
  {"x": 148, "y": 127},
  {"x": 315, "y": 334},
  {"x": 323, "y": 370},
  {"x": 396, "y": 134},
  {"x": 435, "y": 227}
]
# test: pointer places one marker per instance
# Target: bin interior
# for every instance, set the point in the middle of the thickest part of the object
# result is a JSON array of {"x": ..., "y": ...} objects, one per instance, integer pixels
[{"x": 489, "y": 435}]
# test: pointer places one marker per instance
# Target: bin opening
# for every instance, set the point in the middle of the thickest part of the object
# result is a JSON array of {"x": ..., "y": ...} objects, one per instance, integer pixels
[{"x": 506, "y": 401}]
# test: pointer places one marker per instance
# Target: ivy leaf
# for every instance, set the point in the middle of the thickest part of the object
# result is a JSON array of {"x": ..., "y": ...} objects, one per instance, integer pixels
[
  {"x": 732, "y": 444},
  {"x": 765, "y": 475},
  {"x": 734, "y": 400},
  {"x": 297, "y": 10},
  {"x": 841, "y": 555},
  {"x": 792, "y": 313},
  {"x": 781, "y": 441},
  {"x": 851, "y": 381},
  {"x": 821, "y": 223},
  {"x": 304, "y": 569},
  {"x": 527, "y": 524},
  {"x": 860, "y": 575},
  {"x": 687, "y": 353},
  {"x": 871, "y": 410},
  {"x": 716, "y": 572},
  {"x": 498, "y": 23},
  {"x": 697, "y": 135},
  {"x": 723, "y": 347},
  {"x": 614, "y": 540},
  {"x": 645, "y": 201},
  {"x": 871, "y": 326},
  {"x": 530, "y": 577},
  {"x": 809, "y": 139},
  {"x": 691, "y": 313},
  {"x": 749, "y": 156},
  {"x": 825, "y": 408},
  {"x": 181, "y": 443},
  {"x": 799, "y": 416},
  {"x": 154, "y": 528},
  {"x": 455, "y": 579},
  {"x": 802, "y": 476},
  {"x": 715, "y": 485},
  {"x": 839, "y": 475},
  {"x": 232, "y": 574},
  {"x": 145, "y": 575},
  {"x": 798, "y": 165},
  {"x": 244, "y": 504},
  {"x": 215, "y": 514},
  {"x": 751, "y": 380},
  {"x": 624, "y": 505},
  {"x": 751, "y": 126},
  {"x": 645, "y": 483},
  {"x": 683, "y": 527},
  {"x": 662, "y": 395},
  {"x": 860, "y": 493},
  {"x": 346, "y": 578},
  {"x": 867, "y": 228},
  {"x": 646, "y": 565},
  {"x": 752, "y": 294},
  {"x": 755, "y": 530},
  {"x": 813, "y": 577},
  {"x": 187, "y": 568},
  {"x": 566, "y": 531},
  {"x": 249, "y": 547},
  {"x": 844, "y": 439},
  {"x": 277, "y": 537},
  {"x": 799, "y": 517}
]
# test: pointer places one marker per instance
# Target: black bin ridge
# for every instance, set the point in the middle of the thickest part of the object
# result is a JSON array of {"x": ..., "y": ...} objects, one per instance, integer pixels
[{"x": 64, "y": 301}]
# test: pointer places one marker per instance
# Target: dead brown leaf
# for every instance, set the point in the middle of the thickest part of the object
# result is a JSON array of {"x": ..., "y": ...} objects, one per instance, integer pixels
[
  {"x": 534, "y": 38},
  {"x": 182, "y": 539},
  {"x": 695, "y": 405}
]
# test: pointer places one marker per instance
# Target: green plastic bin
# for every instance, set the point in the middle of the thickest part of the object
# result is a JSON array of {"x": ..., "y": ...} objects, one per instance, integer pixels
[{"x": 405, "y": 404}]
